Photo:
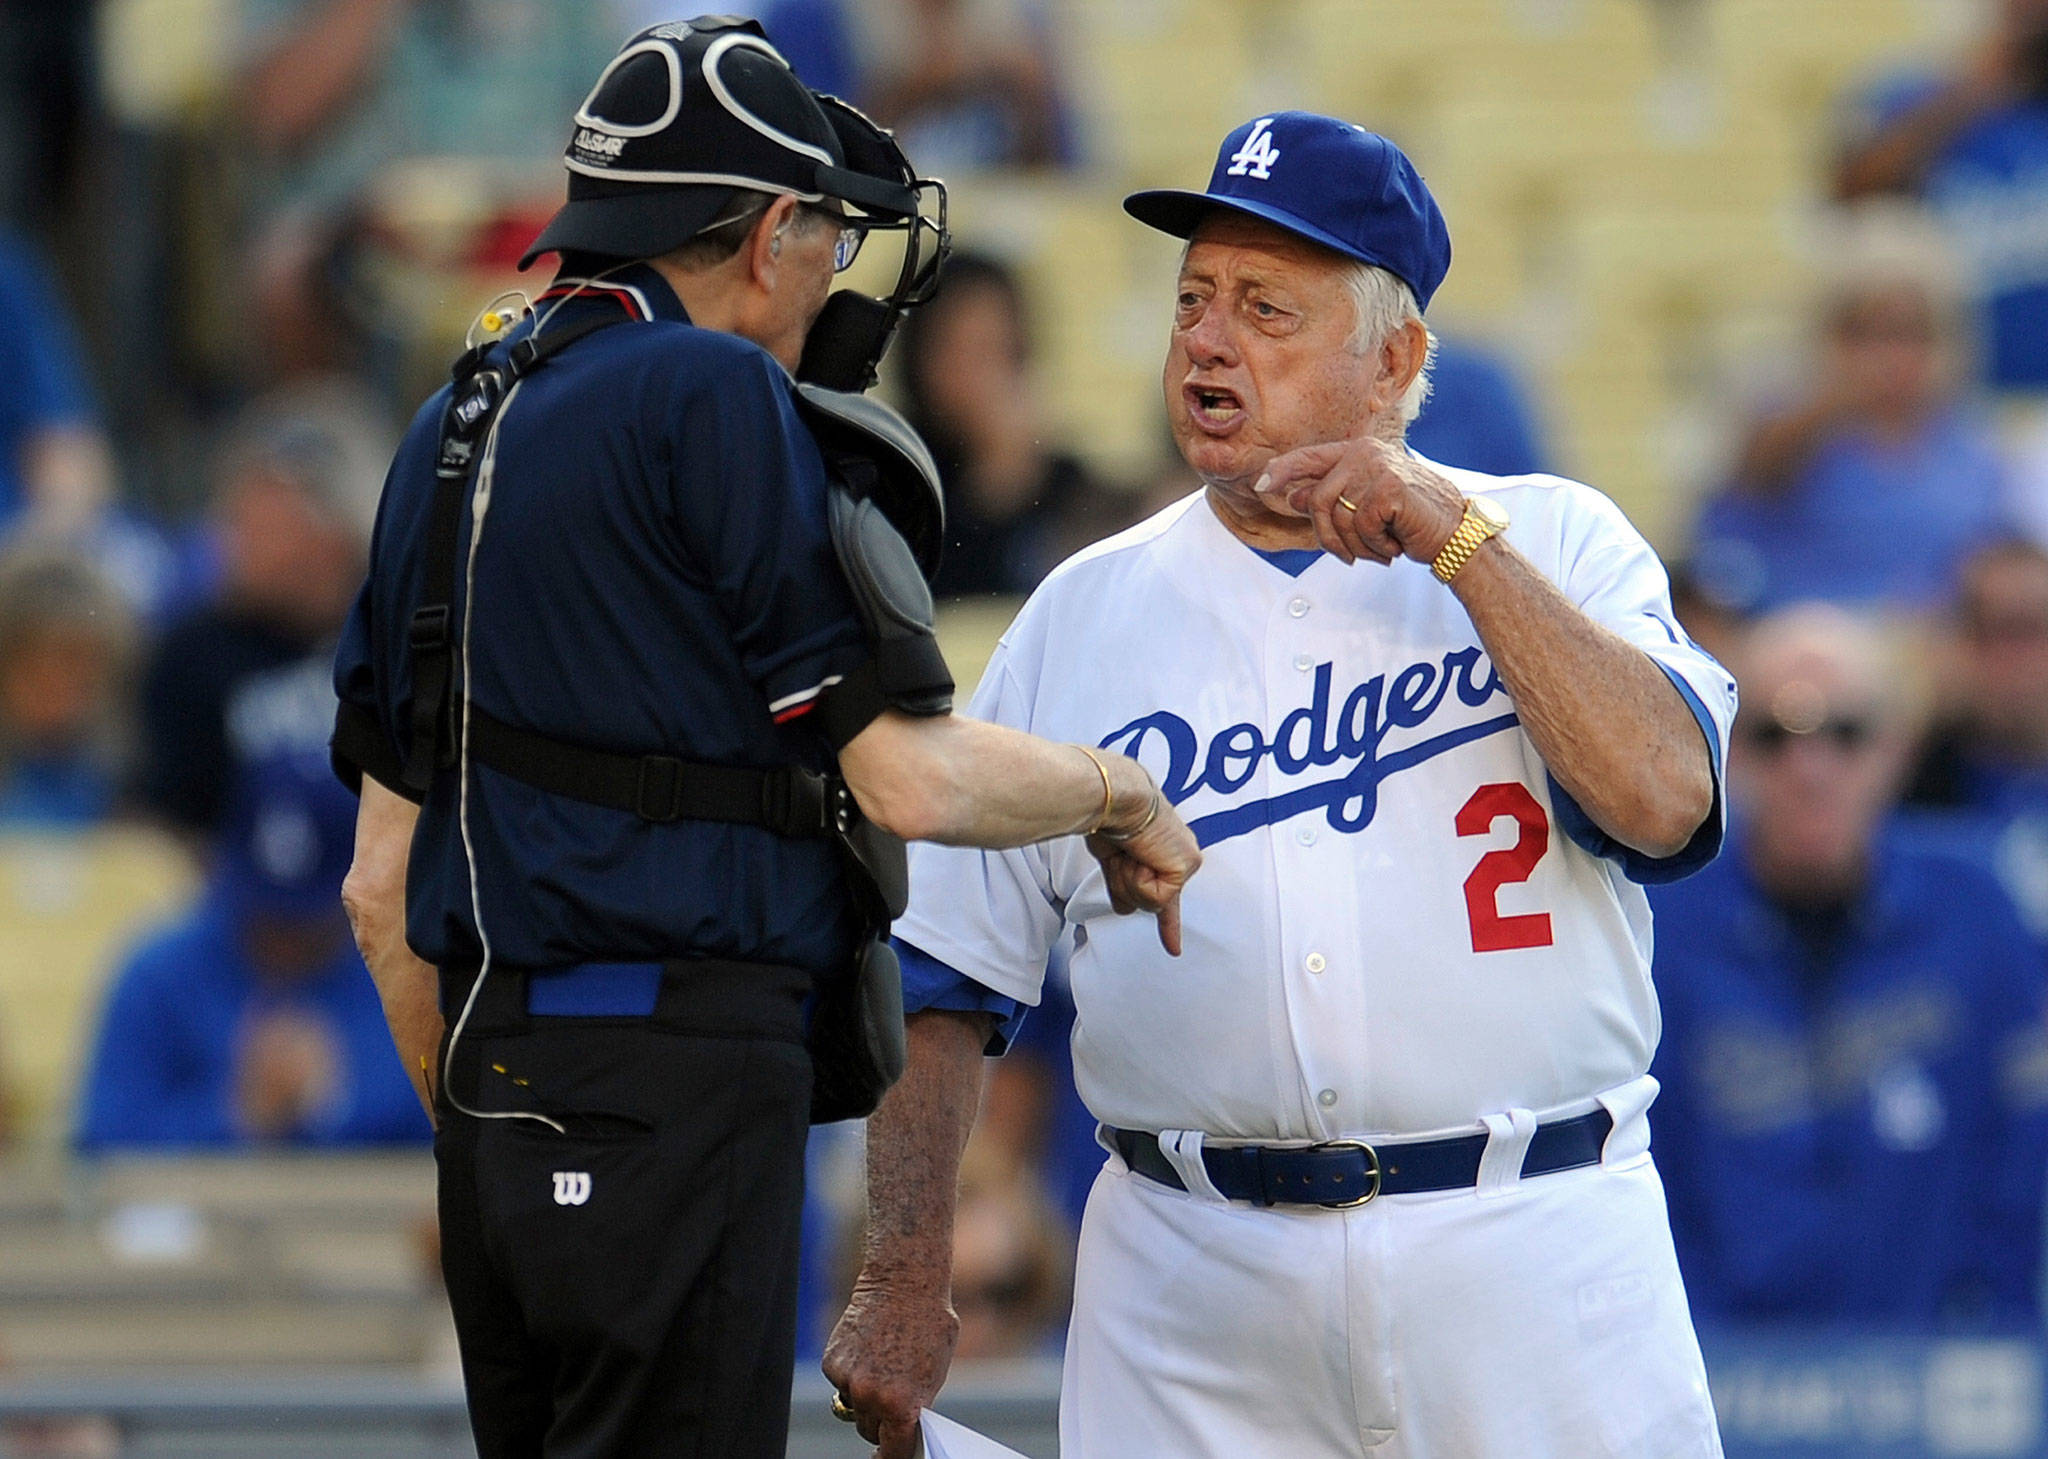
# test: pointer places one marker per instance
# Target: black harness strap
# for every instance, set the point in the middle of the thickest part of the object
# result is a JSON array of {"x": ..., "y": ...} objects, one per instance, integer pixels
[
  {"x": 787, "y": 800},
  {"x": 479, "y": 392}
]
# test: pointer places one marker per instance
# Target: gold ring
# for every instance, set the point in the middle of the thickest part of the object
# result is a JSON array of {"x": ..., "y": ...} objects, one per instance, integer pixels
[
  {"x": 840, "y": 1409},
  {"x": 1346, "y": 503}
]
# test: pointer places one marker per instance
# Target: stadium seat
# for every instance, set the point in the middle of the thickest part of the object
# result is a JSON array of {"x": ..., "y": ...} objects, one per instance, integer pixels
[{"x": 69, "y": 904}]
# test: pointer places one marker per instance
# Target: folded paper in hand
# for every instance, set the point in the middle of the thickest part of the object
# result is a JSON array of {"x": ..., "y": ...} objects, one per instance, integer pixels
[{"x": 944, "y": 1439}]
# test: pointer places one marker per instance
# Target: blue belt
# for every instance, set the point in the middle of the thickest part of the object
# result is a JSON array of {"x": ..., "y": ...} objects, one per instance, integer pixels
[
  {"x": 1341, "y": 1173},
  {"x": 711, "y": 996},
  {"x": 595, "y": 990}
]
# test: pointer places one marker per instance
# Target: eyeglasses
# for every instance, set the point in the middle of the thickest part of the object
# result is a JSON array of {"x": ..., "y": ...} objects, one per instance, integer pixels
[
  {"x": 846, "y": 247},
  {"x": 1845, "y": 734}
]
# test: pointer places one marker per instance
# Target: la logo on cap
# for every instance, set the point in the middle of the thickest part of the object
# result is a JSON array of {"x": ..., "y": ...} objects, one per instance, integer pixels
[
  {"x": 1258, "y": 154},
  {"x": 1346, "y": 189}
]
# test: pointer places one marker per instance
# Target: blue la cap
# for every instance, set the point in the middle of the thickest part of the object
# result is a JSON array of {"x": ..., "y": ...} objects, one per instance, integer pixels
[
  {"x": 1329, "y": 181},
  {"x": 287, "y": 838}
]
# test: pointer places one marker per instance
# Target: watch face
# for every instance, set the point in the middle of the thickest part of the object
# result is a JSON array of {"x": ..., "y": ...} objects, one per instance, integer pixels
[{"x": 1495, "y": 515}]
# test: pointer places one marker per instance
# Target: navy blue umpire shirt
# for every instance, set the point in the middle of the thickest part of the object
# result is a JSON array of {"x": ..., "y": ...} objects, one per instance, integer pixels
[{"x": 655, "y": 576}]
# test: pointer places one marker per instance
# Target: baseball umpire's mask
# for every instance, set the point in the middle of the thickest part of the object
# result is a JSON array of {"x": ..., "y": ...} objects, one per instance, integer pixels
[{"x": 691, "y": 111}]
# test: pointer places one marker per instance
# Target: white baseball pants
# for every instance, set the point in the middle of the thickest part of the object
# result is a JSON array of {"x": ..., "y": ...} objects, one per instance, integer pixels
[{"x": 1544, "y": 1319}]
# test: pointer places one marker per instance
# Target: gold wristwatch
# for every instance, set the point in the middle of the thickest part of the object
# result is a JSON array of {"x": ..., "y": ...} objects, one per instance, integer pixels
[{"x": 1484, "y": 518}]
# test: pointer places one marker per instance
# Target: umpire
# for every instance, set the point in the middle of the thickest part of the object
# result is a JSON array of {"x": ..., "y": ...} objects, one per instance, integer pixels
[{"x": 640, "y": 694}]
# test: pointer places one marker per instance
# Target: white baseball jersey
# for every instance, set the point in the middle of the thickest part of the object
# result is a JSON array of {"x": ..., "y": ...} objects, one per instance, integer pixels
[{"x": 1396, "y": 930}]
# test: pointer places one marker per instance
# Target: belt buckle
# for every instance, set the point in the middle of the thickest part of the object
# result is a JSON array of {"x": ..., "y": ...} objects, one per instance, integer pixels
[
  {"x": 1373, "y": 1172},
  {"x": 658, "y": 789}
]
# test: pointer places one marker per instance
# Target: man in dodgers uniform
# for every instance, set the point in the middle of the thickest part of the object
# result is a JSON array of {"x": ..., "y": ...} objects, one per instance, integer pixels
[{"x": 1380, "y": 1180}]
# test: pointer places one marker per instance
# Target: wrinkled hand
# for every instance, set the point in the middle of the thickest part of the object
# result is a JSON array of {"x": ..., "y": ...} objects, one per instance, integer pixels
[
  {"x": 1398, "y": 506},
  {"x": 1145, "y": 869},
  {"x": 888, "y": 1358}
]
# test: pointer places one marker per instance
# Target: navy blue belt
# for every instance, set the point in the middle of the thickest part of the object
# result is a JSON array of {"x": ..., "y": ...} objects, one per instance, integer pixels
[
  {"x": 595, "y": 990},
  {"x": 1351, "y": 1172},
  {"x": 700, "y": 995}
]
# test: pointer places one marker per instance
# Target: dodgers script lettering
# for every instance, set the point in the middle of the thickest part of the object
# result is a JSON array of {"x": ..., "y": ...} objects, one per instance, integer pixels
[{"x": 1312, "y": 738}]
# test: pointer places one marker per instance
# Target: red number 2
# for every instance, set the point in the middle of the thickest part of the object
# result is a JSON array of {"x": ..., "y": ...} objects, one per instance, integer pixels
[{"x": 1492, "y": 932}]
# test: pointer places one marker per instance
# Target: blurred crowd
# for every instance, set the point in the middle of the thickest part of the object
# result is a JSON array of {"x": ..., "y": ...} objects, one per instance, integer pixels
[{"x": 214, "y": 332}]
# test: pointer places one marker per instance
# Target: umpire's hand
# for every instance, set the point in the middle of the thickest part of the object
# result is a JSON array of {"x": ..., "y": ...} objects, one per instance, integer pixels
[{"x": 1148, "y": 855}]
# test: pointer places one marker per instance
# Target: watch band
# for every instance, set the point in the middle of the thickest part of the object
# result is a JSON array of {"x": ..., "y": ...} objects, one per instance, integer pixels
[{"x": 1474, "y": 530}]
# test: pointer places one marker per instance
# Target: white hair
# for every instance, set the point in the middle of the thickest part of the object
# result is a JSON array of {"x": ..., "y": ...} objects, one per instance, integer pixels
[{"x": 1383, "y": 305}]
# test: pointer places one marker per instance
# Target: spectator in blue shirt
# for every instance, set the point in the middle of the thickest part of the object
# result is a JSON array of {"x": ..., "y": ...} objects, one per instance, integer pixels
[
  {"x": 1974, "y": 144},
  {"x": 250, "y": 1019},
  {"x": 1870, "y": 485},
  {"x": 1854, "y": 1118},
  {"x": 1985, "y": 779}
]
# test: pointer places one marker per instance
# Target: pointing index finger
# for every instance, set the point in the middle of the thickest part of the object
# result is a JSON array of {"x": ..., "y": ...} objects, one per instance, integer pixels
[
  {"x": 1169, "y": 926},
  {"x": 1291, "y": 468}
]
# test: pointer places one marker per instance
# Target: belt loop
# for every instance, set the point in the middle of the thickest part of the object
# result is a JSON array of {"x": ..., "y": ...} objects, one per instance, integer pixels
[
  {"x": 1183, "y": 1151},
  {"x": 1629, "y": 1105},
  {"x": 1507, "y": 1141}
]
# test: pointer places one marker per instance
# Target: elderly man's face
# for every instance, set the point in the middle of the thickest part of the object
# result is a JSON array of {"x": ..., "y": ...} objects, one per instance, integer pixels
[
  {"x": 1260, "y": 361},
  {"x": 1817, "y": 756}
]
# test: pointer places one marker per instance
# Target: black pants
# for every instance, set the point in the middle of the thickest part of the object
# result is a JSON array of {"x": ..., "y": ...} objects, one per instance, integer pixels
[{"x": 627, "y": 1289}]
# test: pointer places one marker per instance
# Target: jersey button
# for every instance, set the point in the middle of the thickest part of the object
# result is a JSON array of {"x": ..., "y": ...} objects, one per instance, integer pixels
[
  {"x": 1298, "y": 608},
  {"x": 1315, "y": 962},
  {"x": 1327, "y": 1098},
  {"x": 1304, "y": 662},
  {"x": 1306, "y": 835}
]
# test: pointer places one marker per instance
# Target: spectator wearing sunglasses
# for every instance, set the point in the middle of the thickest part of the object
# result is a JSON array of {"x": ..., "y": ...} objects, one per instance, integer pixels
[{"x": 1854, "y": 1118}]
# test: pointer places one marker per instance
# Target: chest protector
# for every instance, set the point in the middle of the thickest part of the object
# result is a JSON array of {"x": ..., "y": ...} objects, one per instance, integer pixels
[{"x": 887, "y": 520}]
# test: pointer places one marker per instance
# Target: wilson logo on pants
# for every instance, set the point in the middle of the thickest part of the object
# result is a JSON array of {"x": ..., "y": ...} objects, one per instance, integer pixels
[{"x": 572, "y": 1187}]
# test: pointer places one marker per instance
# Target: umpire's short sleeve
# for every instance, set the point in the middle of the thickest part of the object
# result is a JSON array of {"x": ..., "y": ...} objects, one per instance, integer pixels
[
  {"x": 361, "y": 744},
  {"x": 372, "y": 677},
  {"x": 754, "y": 518}
]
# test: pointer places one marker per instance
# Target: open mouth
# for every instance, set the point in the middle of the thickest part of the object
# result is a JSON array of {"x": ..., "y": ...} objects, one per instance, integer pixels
[{"x": 1214, "y": 409}]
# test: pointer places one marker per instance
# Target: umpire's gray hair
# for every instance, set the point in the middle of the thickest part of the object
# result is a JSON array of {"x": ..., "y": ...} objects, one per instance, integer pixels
[{"x": 1384, "y": 304}]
